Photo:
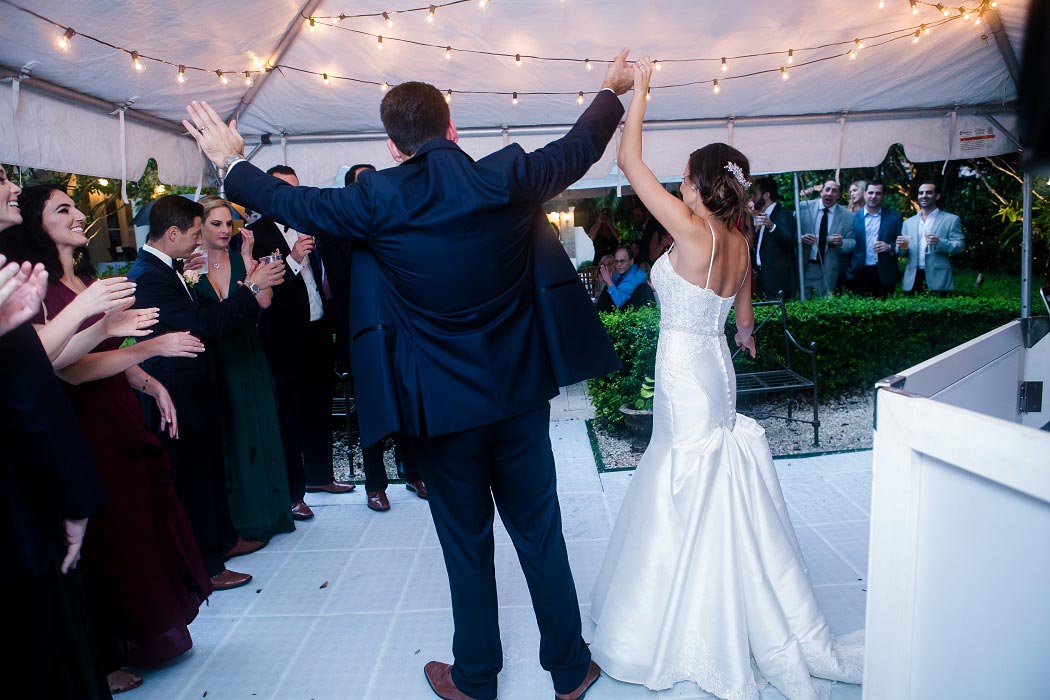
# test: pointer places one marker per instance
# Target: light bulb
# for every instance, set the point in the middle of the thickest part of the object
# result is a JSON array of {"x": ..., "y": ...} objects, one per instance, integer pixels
[
  {"x": 514, "y": 99},
  {"x": 384, "y": 87},
  {"x": 448, "y": 53},
  {"x": 579, "y": 98},
  {"x": 784, "y": 73},
  {"x": 852, "y": 55},
  {"x": 430, "y": 14},
  {"x": 859, "y": 44},
  {"x": 103, "y": 182},
  {"x": 180, "y": 77},
  {"x": 66, "y": 39},
  {"x": 882, "y": 4},
  {"x": 448, "y": 96},
  {"x": 587, "y": 64},
  {"x": 964, "y": 12},
  {"x": 791, "y": 55},
  {"x": 341, "y": 17},
  {"x": 311, "y": 24},
  {"x": 389, "y": 19},
  {"x": 379, "y": 43},
  {"x": 136, "y": 62},
  {"x": 715, "y": 89},
  {"x": 725, "y": 66},
  {"x": 657, "y": 65},
  {"x": 482, "y": 4},
  {"x": 517, "y": 59},
  {"x": 648, "y": 94},
  {"x": 160, "y": 189},
  {"x": 915, "y": 39},
  {"x": 914, "y": 7},
  {"x": 324, "y": 78},
  {"x": 248, "y": 79},
  {"x": 222, "y": 78},
  {"x": 925, "y": 29}
]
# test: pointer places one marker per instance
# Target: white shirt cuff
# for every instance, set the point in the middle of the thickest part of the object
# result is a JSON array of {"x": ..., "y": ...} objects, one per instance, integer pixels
[{"x": 295, "y": 267}]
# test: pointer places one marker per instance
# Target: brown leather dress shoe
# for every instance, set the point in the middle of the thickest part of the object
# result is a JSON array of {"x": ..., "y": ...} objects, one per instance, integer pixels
[
  {"x": 592, "y": 675},
  {"x": 301, "y": 511},
  {"x": 377, "y": 501},
  {"x": 417, "y": 487},
  {"x": 244, "y": 546},
  {"x": 332, "y": 487},
  {"x": 439, "y": 676},
  {"x": 229, "y": 579}
]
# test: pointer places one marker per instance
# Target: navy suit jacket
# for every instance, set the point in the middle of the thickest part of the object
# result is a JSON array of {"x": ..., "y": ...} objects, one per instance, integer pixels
[
  {"x": 190, "y": 381},
  {"x": 889, "y": 228},
  {"x": 452, "y": 240}
]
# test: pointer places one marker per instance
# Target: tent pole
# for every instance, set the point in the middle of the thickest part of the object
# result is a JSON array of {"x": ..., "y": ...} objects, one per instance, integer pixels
[
  {"x": 798, "y": 243},
  {"x": 1026, "y": 249}
]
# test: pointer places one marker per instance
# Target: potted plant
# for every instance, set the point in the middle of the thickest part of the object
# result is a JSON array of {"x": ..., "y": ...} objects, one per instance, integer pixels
[{"x": 638, "y": 416}]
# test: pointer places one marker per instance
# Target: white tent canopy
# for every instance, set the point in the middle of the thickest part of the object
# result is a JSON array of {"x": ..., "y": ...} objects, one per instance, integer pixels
[{"x": 950, "y": 95}]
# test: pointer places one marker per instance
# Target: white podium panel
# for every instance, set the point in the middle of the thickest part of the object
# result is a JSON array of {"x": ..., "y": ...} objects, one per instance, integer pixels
[{"x": 959, "y": 567}]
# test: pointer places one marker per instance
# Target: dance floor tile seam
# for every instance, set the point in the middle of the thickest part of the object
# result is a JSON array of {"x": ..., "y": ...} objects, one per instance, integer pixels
[{"x": 386, "y": 609}]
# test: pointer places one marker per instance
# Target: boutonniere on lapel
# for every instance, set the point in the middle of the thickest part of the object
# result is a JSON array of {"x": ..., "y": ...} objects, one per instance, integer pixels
[{"x": 191, "y": 277}]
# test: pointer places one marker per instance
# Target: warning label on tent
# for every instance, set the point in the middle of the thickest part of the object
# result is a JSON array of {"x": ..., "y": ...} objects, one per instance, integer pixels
[{"x": 975, "y": 142}]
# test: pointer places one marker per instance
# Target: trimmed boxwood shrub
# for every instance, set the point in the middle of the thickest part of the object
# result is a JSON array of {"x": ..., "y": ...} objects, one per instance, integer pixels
[{"x": 859, "y": 340}]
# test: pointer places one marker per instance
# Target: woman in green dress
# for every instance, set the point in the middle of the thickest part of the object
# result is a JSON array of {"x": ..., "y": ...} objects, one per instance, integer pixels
[{"x": 256, "y": 476}]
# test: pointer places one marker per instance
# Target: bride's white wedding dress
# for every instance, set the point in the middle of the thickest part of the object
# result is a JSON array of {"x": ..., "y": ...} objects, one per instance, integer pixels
[{"x": 703, "y": 579}]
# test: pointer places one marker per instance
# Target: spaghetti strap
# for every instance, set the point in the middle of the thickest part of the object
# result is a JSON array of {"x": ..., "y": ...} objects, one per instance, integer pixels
[{"x": 710, "y": 265}]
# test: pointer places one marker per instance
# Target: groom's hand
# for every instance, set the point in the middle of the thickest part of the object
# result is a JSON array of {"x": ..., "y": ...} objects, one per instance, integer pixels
[
  {"x": 619, "y": 77},
  {"x": 218, "y": 141}
]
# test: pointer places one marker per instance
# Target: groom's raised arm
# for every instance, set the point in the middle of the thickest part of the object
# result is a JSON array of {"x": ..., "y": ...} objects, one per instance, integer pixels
[{"x": 343, "y": 212}]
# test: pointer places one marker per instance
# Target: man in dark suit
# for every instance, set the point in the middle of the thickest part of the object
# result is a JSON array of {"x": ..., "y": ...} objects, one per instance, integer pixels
[
  {"x": 296, "y": 333},
  {"x": 475, "y": 372},
  {"x": 874, "y": 269},
  {"x": 774, "y": 259},
  {"x": 196, "y": 455}
]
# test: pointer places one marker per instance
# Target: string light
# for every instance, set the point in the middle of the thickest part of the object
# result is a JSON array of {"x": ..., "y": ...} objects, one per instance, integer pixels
[
  {"x": 791, "y": 55},
  {"x": 852, "y": 55},
  {"x": 180, "y": 77},
  {"x": 657, "y": 65},
  {"x": 587, "y": 64},
  {"x": 925, "y": 29},
  {"x": 66, "y": 39},
  {"x": 160, "y": 189},
  {"x": 136, "y": 62},
  {"x": 517, "y": 59},
  {"x": 448, "y": 53},
  {"x": 579, "y": 97},
  {"x": 964, "y": 12},
  {"x": 942, "y": 9},
  {"x": 103, "y": 182},
  {"x": 859, "y": 44},
  {"x": 725, "y": 66},
  {"x": 379, "y": 43},
  {"x": 715, "y": 89},
  {"x": 514, "y": 99},
  {"x": 914, "y": 7},
  {"x": 248, "y": 79},
  {"x": 341, "y": 17},
  {"x": 430, "y": 14},
  {"x": 882, "y": 4},
  {"x": 784, "y": 75},
  {"x": 384, "y": 87},
  {"x": 448, "y": 96},
  {"x": 389, "y": 19},
  {"x": 482, "y": 4},
  {"x": 311, "y": 24},
  {"x": 324, "y": 78},
  {"x": 648, "y": 94},
  {"x": 222, "y": 78},
  {"x": 918, "y": 34}
]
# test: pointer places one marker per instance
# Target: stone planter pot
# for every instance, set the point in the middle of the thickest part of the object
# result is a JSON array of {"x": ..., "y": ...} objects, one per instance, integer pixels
[{"x": 639, "y": 423}]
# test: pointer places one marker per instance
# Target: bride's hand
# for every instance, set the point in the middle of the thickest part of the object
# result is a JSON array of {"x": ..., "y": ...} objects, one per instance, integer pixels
[
  {"x": 748, "y": 343},
  {"x": 643, "y": 75}
]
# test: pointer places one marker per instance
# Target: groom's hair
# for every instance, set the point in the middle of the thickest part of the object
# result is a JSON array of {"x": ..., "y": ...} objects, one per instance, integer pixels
[
  {"x": 414, "y": 113},
  {"x": 172, "y": 210}
]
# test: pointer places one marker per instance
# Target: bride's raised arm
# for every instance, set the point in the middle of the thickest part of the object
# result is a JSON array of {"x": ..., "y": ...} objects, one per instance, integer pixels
[{"x": 670, "y": 211}]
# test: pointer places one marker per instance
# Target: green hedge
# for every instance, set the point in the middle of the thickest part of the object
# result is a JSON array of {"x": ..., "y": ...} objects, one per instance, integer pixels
[{"x": 859, "y": 340}]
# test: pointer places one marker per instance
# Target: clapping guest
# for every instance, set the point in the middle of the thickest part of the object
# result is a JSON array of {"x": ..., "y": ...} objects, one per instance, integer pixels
[
  {"x": 200, "y": 482},
  {"x": 140, "y": 614},
  {"x": 44, "y": 453},
  {"x": 256, "y": 474},
  {"x": 296, "y": 334}
]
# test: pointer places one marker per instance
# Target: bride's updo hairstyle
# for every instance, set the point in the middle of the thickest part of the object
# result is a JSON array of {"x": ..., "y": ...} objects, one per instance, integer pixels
[{"x": 722, "y": 188}]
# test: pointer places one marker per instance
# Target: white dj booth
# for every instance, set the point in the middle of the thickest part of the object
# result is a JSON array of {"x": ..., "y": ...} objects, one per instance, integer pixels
[{"x": 959, "y": 569}]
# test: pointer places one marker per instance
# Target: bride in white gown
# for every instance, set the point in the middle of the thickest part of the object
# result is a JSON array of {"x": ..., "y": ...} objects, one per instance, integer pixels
[{"x": 703, "y": 579}]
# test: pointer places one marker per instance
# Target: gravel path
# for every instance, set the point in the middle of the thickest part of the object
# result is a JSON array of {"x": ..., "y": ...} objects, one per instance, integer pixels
[{"x": 845, "y": 424}]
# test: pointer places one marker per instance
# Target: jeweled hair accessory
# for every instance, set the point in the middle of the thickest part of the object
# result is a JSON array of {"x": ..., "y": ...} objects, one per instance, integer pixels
[{"x": 738, "y": 173}]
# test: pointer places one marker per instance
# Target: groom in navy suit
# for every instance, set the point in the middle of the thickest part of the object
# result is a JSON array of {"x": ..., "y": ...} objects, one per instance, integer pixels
[{"x": 474, "y": 372}]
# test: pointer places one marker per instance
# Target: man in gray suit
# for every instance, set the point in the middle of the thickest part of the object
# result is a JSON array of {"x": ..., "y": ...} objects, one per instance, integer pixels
[
  {"x": 827, "y": 232},
  {"x": 927, "y": 239}
]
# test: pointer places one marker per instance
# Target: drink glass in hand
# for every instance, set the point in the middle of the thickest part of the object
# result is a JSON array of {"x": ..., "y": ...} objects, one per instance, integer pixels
[
  {"x": 903, "y": 244},
  {"x": 272, "y": 258}
]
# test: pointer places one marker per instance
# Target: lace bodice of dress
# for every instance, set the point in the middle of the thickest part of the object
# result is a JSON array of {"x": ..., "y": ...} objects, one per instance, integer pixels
[{"x": 687, "y": 307}]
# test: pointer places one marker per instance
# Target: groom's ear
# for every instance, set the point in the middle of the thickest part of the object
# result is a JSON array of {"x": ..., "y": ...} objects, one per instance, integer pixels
[
  {"x": 452, "y": 135},
  {"x": 397, "y": 155}
]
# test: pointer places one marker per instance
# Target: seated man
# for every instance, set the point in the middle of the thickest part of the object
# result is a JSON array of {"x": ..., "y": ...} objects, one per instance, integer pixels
[{"x": 621, "y": 284}]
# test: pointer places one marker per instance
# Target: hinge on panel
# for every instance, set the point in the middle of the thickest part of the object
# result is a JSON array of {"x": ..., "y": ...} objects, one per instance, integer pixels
[{"x": 1030, "y": 397}]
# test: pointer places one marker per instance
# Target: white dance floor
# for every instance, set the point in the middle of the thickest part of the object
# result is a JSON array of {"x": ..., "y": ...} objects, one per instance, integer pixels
[{"x": 385, "y": 610}]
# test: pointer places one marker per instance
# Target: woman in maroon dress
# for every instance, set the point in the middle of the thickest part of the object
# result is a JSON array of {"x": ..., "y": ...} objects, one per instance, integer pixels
[{"x": 144, "y": 575}]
